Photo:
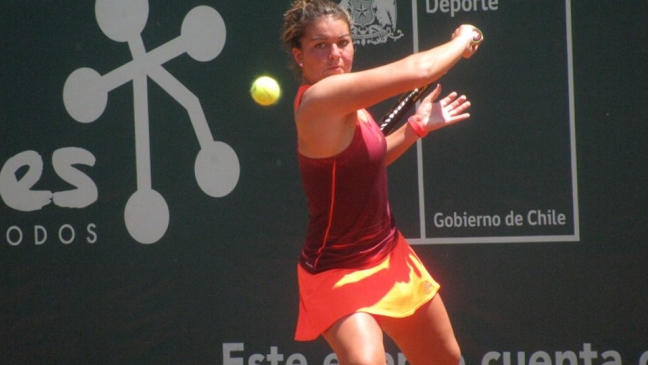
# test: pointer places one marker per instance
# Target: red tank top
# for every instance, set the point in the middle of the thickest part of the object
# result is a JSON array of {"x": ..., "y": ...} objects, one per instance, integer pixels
[{"x": 350, "y": 224}]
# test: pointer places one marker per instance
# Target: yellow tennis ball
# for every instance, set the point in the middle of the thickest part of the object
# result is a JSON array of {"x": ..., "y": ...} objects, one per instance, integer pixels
[{"x": 265, "y": 91}]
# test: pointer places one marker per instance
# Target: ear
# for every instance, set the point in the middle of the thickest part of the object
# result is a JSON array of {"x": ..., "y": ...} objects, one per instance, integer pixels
[{"x": 297, "y": 55}]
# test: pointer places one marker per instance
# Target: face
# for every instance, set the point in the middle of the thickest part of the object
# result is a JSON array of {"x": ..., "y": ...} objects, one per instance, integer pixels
[{"x": 327, "y": 49}]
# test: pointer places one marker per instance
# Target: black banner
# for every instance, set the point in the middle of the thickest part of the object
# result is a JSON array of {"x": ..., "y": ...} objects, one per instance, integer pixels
[{"x": 152, "y": 213}]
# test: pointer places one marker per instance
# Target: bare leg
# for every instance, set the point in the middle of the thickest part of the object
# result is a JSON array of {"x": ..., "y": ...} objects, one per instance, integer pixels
[
  {"x": 357, "y": 340},
  {"x": 426, "y": 337}
]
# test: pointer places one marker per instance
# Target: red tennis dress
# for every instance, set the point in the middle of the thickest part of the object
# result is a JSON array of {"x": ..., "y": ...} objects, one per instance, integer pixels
[{"x": 354, "y": 259}]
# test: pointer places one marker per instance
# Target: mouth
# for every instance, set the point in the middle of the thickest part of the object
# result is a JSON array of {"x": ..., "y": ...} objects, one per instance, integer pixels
[{"x": 336, "y": 68}]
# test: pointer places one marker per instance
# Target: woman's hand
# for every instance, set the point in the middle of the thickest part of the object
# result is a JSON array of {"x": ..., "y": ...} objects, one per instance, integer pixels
[
  {"x": 467, "y": 32},
  {"x": 435, "y": 115}
]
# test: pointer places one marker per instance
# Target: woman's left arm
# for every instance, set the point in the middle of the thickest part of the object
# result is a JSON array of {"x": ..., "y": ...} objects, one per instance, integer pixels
[
  {"x": 399, "y": 141},
  {"x": 429, "y": 116}
]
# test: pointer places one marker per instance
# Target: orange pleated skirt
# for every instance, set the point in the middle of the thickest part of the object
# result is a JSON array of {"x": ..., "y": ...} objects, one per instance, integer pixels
[{"x": 396, "y": 287}]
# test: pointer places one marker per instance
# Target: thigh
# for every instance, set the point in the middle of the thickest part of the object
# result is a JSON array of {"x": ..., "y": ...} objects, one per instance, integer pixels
[
  {"x": 426, "y": 337},
  {"x": 357, "y": 339}
]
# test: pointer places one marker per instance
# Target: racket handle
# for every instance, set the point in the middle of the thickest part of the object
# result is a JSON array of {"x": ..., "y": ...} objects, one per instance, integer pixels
[
  {"x": 478, "y": 38},
  {"x": 400, "y": 108}
]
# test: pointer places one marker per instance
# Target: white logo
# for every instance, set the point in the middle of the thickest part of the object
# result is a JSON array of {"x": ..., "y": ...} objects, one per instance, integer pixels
[
  {"x": 374, "y": 20},
  {"x": 85, "y": 95}
]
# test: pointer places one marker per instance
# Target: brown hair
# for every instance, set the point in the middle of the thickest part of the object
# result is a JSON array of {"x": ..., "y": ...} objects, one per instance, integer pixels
[{"x": 304, "y": 12}]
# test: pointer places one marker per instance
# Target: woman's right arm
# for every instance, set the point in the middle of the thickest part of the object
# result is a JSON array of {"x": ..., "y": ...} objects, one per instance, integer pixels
[{"x": 342, "y": 94}]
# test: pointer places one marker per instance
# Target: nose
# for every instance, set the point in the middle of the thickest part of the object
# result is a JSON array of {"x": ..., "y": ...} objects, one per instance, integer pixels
[{"x": 335, "y": 52}]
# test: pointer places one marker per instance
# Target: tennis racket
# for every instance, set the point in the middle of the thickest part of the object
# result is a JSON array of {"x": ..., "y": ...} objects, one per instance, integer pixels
[
  {"x": 407, "y": 100},
  {"x": 400, "y": 108}
]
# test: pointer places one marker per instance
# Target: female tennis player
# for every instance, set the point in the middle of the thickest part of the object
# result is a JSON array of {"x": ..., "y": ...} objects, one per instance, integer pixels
[{"x": 358, "y": 277}]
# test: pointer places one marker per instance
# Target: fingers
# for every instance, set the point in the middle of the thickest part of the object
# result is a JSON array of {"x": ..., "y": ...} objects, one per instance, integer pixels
[
  {"x": 452, "y": 98},
  {"x": 474, "y": 38},
  {"x": 429, "y": 98},
  {"x": 471, "y": 50},
  {"x": 458, "y": 118},
  {"x": 460, "y": 109},
  {"x": 456, "y": 107},
  {"x": 464, "y": 30},
  {"x": 435, "y": 93}
]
